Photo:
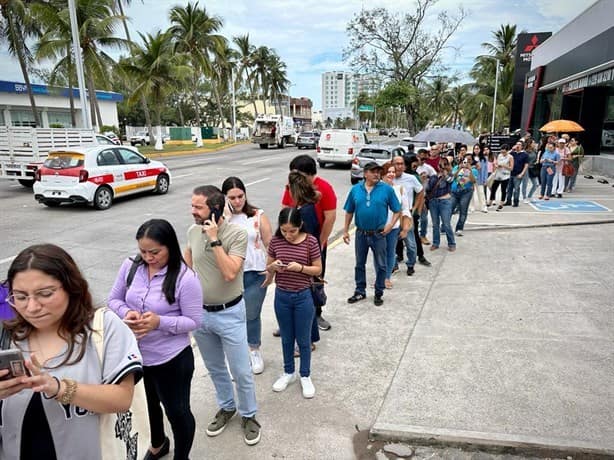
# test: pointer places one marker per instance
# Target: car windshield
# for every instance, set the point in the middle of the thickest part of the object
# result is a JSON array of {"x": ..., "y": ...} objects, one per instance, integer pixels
[
  {"x": 375, "y": 154},
  {"x": 64, "y": 160}
]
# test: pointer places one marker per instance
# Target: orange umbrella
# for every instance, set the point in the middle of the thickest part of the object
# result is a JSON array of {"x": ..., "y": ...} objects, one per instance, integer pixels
[{"x": 561, "y": 126}]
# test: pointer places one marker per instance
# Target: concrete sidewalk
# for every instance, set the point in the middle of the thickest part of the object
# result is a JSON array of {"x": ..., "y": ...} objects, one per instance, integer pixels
[{"x": 508, "y": 342}]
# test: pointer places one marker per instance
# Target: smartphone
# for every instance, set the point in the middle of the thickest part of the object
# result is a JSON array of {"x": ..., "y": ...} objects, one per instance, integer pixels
[
  {"x": 216, "y": 214},
  {"x": 13, "y": 361},
  {"x": 281, "y": 264}
]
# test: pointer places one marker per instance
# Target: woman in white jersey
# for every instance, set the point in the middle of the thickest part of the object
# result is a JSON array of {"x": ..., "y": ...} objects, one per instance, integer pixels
[
  {"x": 241, "y": 212},
  {"x": 54, "y": 412}
]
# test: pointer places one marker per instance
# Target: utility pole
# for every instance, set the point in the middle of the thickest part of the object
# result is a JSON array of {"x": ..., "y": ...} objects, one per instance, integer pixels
[
  {"x": 74, "y": 28},
  {"x": 234, "y": 106}
]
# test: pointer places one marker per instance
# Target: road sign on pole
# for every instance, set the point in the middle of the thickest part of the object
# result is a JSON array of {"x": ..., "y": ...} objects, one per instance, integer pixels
[{"x": 366, "y": 108}]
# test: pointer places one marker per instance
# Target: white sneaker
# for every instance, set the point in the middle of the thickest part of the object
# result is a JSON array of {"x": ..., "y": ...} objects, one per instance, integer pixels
[
  {"x": 526, "y": 201},
  {"x": 458, "y": 233},
  {"x": 255, "y": 358},
  {"x": 309, "y": 390},
  {"x": 485, "y": 210},
  {"x": 282, "y": 382}
]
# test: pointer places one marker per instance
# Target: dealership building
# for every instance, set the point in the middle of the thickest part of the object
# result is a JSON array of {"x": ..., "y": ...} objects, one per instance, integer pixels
[
  {"x": 53, "y": 105},
  {"x": 572, "y": 77}
]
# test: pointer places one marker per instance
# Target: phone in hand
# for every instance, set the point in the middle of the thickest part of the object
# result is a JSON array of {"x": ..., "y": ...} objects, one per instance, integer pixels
[
  {"x": 215, "y": 214},
  {"x": 13, "y": 361}
]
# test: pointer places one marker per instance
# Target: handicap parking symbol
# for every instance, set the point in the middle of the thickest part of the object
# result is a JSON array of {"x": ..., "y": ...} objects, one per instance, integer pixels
[{"x": 569, "y": 206}]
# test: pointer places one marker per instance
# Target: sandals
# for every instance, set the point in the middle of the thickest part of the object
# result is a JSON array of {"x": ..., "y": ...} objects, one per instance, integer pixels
[
  {"x": 356, "y": 297},
  {"x": 588, "y": 176}
]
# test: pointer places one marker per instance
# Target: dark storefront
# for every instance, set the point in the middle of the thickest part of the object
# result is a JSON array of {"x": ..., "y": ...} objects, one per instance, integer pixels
[{"x": 578, "y": 85}]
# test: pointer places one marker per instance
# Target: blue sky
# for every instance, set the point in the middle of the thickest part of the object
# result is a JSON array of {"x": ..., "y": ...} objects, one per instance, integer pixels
[{"x": 309, "y": 35}]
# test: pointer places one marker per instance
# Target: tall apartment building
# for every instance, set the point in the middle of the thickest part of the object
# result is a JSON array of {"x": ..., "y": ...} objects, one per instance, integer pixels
[{"x": 339, "y": 92}]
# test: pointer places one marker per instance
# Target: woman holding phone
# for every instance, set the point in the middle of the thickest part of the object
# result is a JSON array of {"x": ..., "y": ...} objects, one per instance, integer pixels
[
  {"x": 54, "y": 412},
  {"x": 259, "y": 234},
  {"x": 160, "y": 298},
  {"x": 293, "y": 260}
]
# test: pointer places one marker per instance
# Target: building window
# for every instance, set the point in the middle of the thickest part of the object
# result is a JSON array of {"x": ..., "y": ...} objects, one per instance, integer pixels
[
  {"x": 23, "y": 118},
  {"x": 59, "y": 119}
]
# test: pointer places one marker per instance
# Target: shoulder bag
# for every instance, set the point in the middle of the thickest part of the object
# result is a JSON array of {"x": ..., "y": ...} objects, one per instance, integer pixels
[
  {"x": 317, "y": 285},
  {"x": 123, "y": 435}
]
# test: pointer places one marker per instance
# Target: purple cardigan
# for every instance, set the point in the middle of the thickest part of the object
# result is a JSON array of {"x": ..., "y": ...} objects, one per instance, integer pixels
[{"x": 176, "y": 320}]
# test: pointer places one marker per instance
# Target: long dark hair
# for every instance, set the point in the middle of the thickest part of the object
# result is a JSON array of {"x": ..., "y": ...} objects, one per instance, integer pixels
[
  {"x": 301, "y": 189},
  {"x": 162, "y": 232},
  {"x": 290, "y": 216},
  {"x": 55, "y": 262},
  {"x": 234, "y": 182}
]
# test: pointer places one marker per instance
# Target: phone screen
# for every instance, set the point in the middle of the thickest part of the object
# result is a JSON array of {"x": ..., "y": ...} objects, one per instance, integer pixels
[{"x": 14, "y": 362}]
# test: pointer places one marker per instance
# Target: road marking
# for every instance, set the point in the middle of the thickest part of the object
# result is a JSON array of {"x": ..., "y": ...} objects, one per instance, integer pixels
[
  {"x": 183, "y": 175},
  {"x": 8, "y": 259},
  {"x": 16, "y": 185},
  {"x": 247, "y": 163},
  {"x": 257, "y": 181}
]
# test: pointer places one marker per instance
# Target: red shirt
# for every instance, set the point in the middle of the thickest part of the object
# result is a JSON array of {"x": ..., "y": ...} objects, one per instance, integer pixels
[
  {"x": 327, "y": 202},
  {"x": 434, "y": 162}
]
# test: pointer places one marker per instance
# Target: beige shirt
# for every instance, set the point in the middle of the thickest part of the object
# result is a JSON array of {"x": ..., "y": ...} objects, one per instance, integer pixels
[{"x": 216, "y": 290}]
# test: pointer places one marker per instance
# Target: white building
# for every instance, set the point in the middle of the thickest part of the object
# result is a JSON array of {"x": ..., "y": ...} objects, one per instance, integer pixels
[
  {"x": 52, "y": 104},
  {"x": 340, "y": 90}
]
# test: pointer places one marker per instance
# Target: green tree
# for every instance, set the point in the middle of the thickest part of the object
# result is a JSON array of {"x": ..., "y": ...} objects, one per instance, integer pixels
[
  {"x": 246, "y": 57},
  {"x": 401, "y": 48},
  {"x": 16, "y": 27},
  {"x": 261, "y": 60},
  {"x": 195, "y": 33}
]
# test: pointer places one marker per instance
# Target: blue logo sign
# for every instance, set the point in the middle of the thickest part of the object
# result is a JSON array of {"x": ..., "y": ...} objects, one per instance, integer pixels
[{"x": 569, "y": 206}]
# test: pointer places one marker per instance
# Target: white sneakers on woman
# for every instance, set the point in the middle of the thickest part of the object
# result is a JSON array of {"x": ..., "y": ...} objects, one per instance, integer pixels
[
  {"x": 282, "y": 383},
  {"x": 255, "y": 358}
]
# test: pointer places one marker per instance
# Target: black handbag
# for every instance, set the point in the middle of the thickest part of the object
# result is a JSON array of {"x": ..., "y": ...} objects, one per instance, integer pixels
[{"x": 317, "y": 292}]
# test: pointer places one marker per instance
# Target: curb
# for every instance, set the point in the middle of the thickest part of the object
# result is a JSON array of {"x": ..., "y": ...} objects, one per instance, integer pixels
[
  {"x": 517, "y": 443},
  {"x": 554, "y": 224}
]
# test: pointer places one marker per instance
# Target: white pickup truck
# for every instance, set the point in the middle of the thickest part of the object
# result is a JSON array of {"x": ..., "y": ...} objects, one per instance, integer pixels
[
  {"x": 23, "y": 150},
  {"x": 273, "y": 130}
]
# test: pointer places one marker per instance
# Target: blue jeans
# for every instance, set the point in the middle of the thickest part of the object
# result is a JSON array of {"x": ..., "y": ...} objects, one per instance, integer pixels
[
  {"x": 295, "y": 312},
  {"x": 223, "y": 336},
  {"x": 525, "y": 182},
  {"x": 391, "y": 245},
  {"x": 546, "y": 180},
  {"x": 424, "y": 221},
  {"x": 410, "y": 249},
  {"x": 462, "y": 199},
  {"x": 254, "y": 295},
  {"x": 441, "y": 214},
  {"x": 513, "y": 190},
  {"x": 377, "y": 244}
]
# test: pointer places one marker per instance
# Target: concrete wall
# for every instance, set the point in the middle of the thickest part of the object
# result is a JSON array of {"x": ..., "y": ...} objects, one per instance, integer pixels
[{"x": 602, "y": 165}]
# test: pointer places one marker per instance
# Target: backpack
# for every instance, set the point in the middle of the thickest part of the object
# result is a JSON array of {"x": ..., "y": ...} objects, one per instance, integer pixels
[{"x": 138, "y": 260}]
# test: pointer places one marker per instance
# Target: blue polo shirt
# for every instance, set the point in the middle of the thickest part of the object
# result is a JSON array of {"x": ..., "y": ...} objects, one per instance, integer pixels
[{"x": 370, "y": 209}]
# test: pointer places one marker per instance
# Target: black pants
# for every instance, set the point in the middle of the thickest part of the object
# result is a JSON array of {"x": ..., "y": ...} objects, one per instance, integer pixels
[
  {"x": 495, "y": 186},
  {"x": 170, "y": 384},
  {"x": 419, "y": 248}
]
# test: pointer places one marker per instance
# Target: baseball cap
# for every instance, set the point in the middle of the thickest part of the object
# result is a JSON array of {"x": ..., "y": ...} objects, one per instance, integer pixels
[
  {"x": 561, "y": 140},
  {"x": 371, "y": 165}
]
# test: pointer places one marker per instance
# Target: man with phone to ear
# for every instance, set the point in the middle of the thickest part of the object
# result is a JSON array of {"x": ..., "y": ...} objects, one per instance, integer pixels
[{"x": 216, "y": 251}]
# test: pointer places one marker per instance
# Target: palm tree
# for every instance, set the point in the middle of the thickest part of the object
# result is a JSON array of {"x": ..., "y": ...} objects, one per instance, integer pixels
[
  {"x": 246, "y": 57},
  {"x": 194, "y": 33},
  {"x": 16, "y": 27},
  {"x": 277, "y": 79},
  {"x": 261, "y": 60},
  {"x": 223, "y": 66},
  {"x": 154, "y": 68}
]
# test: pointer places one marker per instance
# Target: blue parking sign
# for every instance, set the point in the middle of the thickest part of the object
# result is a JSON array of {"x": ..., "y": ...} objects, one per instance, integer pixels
[{"x": 569, "y": 206}]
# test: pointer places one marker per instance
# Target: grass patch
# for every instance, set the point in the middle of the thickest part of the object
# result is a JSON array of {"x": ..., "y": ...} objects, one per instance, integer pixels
[{"x": 149, "y": 149}]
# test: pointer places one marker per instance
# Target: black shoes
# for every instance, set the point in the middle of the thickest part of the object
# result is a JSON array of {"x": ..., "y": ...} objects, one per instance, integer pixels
[
  {"x": 166, "y": 446},
  {"x": 357, "y": 297},
  {"x": 422, "y": 261},
  {"x": 410, "y": 271},
  {"x": 378, "y": 301},
  {"x": 323, "y": 324}
]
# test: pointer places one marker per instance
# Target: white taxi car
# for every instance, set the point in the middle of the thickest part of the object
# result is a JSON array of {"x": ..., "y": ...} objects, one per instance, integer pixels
[{"x": 97, "y": 175}]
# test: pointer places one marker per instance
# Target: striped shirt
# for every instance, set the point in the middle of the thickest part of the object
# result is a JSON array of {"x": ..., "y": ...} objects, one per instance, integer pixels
[{"x": 304, "y": 253}]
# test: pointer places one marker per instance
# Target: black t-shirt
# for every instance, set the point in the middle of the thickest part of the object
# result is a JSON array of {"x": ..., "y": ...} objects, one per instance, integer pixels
[{"x": 36, "y": 440}]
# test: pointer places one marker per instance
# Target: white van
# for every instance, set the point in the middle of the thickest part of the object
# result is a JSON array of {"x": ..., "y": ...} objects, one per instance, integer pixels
[{"x": 338, "y": 146}]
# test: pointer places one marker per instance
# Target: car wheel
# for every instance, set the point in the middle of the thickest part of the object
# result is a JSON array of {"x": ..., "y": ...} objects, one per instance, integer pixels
[
  {"x": 300, "y": 147},
  {"x": 282, "y": 144},
  {"x": 162, "y": 184},
  {"x": 103, "y": 198},
  {"x": 264, "y": 146},
  {"x": 27, "y": 182},
  {"x": 321, "y": 164},
  {"x": 132, "y": 144},
  {"x": 51, "y": 204}
]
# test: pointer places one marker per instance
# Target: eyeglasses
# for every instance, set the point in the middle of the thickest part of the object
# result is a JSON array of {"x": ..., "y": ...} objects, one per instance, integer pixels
[{"x": 43, "y": 296}]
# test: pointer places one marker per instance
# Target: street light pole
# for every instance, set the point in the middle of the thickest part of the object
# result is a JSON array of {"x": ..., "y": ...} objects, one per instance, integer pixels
[
  {"x": 234, "y": 106},
  {"x": 74, "y": 28},
  {"x": 494, "y": 101}
]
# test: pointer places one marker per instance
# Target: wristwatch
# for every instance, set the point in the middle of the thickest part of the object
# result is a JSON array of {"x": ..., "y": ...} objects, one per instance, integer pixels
[{"x": 216, "y": 243}]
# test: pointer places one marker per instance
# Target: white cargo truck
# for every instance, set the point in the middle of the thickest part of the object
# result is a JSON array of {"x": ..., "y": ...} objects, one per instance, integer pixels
[
  {"x": 273, "y": 130},
  {"x": 23, "y": 150}
]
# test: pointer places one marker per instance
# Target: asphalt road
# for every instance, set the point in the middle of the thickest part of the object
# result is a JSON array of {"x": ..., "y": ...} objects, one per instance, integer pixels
[{"x": 100, "y": 240}]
